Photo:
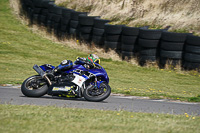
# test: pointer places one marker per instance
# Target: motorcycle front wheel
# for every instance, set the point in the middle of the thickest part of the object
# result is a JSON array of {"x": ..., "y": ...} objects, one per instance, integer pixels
[
  {"x": 34, "y": 86},
  {"x": 95, "y": 94}
]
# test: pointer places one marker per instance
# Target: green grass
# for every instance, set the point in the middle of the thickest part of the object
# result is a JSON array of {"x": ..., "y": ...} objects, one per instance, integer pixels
[
  {"x": 38, "y": 119},
  {"x": 20, "y": 49}
]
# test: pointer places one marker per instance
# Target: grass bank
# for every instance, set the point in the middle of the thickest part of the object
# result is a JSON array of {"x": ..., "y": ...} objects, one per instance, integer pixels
[
  {"x": 40, "y": 119},
  {"x": 21, "y": 47}
]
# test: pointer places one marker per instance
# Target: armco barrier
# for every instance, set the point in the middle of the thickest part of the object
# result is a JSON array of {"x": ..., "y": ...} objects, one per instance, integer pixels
[{"x": 146, "y": 43}]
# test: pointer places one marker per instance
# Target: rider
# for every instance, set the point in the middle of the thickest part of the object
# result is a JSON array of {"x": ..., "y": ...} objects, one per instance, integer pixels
[
  {"x": 89, "y": 61},
  {"x": 86, "y": 62}
]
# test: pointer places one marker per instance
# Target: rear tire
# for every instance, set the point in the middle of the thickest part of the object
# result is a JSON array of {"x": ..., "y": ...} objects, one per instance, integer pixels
[
  {"x": 87, "y": 93},
  {"x": 30, "y": 91}
]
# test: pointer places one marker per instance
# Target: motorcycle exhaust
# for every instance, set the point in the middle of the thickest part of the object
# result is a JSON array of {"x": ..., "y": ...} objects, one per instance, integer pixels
[
  {"x": 39, "y": 70},
  {"x": 41, "y": 73}
]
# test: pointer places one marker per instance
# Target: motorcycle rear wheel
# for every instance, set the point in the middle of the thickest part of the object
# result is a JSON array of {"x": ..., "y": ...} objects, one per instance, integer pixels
[
  {"x": 32, "y": 88},
  {"x": 89, "y": 93}
]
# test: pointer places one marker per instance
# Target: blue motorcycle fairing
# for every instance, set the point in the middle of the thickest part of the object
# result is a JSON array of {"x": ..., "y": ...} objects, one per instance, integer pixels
[
  {"x": 69, "y": 65},
  {"x": 46, "y": 67},
  {"x": 97, "y": 72}
]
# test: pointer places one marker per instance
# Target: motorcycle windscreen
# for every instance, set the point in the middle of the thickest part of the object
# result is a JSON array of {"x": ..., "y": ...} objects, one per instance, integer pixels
[{"x": 78, "y": 80}]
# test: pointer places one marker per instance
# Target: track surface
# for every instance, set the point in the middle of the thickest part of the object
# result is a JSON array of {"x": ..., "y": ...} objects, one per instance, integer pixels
[{"x": 13, "y": 95}]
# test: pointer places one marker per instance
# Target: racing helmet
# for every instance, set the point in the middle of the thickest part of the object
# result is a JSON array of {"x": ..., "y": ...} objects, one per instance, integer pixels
[{"x": 93, "y": 58}]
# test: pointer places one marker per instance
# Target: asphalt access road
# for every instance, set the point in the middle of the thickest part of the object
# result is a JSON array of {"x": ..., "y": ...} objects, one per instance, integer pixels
[{"x": 13, "y": 95}]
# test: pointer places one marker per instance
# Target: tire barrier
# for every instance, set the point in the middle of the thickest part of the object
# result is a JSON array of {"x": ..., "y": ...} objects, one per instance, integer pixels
[
  {"x": 37, "y": 10},
  {"x": 113, "y": 37},
  {"x": 148, "y": 44},
  {"x": 74, "y": 26},
  {"x": 98, "y": 33},
  {"x": 44, "y": 13},
  {"x": 50, "y": 17},
  {"x": 171, "y": 48},
  {"x": 27, "y": 7},
  {"x": 65, "y": 22},
  {"x": 86, "y": 27},
  {"x": 128, "y": 41},
  {"x": 191, "y": 59}
]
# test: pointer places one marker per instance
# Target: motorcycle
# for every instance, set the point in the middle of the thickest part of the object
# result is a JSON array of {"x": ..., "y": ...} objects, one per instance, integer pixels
[{"x": 78, "y": 79}]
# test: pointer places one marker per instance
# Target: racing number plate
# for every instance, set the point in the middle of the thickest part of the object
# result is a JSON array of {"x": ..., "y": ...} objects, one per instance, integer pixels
[{"x": 79, "y": 80}]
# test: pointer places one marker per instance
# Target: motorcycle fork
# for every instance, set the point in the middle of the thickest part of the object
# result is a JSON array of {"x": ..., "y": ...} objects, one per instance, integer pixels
[
  {"x": 82, "y": 88},
  {"x": 95, "y": 82}
]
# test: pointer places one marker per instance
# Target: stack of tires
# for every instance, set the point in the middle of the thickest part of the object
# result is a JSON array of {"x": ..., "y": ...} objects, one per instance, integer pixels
[
  {"x": 49, "y": 18},
  {"x": 57, "y": 14},
  {"x": 86, "y": 27},
  {"x": 128, "y": 41},
  {"x": 74, "y": 23},
  {"x": 113, "y": 37},
  {"x": 149, "y": 42},
  {"x": 99, "y": 32},
  {"x": 171, "y": 48},
  {"x": 37, "y": 10},
  {"x": 192, "y": 53},
  {"x": 44, "y": 12},
  {"x": 27, "y": 7},
  {"x": 65, "y": 20},
  {"x": 24, "y": 6}
]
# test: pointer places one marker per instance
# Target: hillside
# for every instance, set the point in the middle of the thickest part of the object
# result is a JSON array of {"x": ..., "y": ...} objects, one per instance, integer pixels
[{"x": 181, "y": 15}]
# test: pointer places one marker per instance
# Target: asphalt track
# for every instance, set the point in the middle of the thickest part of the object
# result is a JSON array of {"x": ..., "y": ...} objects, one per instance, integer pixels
[{"x": 13, "y": 95}]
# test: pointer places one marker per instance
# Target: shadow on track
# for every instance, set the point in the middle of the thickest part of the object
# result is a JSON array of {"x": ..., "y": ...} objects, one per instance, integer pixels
[{"x": 63, "y": 98}]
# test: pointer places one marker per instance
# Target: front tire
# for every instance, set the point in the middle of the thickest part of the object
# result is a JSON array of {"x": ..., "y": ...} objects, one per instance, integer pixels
[
  {"x": 93, "y": 94},
  {"x": 32, "y": 88}
]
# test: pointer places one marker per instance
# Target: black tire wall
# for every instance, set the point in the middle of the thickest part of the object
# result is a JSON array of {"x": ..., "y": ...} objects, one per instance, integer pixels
[
  {"x": 98, "y": 33},
  {"x": 149, "y": 44},
  {"x": 113, "y": 37},
  {"x": 129, "y": 39},
  {"x": 171, "y": 48},
  {"x": 86, "y": 27},
  {"x": 128, "y": 42},
  {"x": 191, "y": 57}
]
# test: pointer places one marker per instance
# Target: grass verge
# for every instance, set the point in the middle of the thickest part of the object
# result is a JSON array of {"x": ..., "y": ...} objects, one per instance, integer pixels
[
  {"x": 26, "y": 118},
  {"x": 21, "y": 48}
]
